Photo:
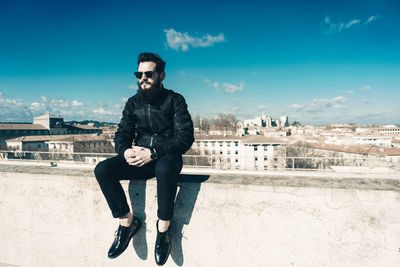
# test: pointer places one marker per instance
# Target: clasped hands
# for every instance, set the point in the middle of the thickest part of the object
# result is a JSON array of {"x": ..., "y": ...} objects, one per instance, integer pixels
[{"x": 137, "y": 156}]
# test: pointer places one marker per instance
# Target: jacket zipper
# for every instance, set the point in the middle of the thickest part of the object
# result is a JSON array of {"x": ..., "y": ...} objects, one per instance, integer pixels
[{"x": 151, "y": 126}]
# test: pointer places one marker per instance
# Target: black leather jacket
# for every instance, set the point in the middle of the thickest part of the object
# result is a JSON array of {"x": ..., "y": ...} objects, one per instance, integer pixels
[{"x": 163, "y": 124}]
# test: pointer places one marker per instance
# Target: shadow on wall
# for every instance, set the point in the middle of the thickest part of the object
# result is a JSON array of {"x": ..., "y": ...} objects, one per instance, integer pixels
[{"x": 189, "y": 187}]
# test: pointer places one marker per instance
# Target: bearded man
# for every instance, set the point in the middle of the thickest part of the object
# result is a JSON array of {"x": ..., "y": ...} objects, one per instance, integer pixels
[{"x": 154, "y": 131}]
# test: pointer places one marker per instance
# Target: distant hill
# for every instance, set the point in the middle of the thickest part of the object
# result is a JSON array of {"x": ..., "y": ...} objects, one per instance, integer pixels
[{"x": 95, "y": 123}]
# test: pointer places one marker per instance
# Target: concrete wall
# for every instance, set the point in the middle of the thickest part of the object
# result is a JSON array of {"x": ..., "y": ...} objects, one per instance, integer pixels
[{"x": 58, "y": 217}]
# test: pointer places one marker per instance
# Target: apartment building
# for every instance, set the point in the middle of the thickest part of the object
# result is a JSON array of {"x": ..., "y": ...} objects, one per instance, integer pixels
[
  {"x": 251, "y": 152},
  {"x": 92, "y": 143}
]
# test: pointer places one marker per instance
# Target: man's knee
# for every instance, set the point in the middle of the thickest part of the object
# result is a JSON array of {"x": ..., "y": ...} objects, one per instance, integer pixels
[
  {"x": 169, "y": 165},
  {"x": 103, "y": 168},
  {"x": 100, "y": 170}
]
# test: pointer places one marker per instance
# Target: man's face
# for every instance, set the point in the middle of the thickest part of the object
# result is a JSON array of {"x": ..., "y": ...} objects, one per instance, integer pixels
[{"x": 146, "y": 83}]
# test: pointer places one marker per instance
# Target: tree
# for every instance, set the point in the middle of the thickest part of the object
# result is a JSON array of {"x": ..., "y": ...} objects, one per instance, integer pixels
[
  {"x": 225, "y": 123},
  {"x": 205, "y": 125},
  {"x": 197, "y": 121}
]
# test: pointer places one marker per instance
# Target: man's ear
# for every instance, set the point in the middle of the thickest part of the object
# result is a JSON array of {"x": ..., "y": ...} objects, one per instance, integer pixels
[{"x": 162, "y": 75}]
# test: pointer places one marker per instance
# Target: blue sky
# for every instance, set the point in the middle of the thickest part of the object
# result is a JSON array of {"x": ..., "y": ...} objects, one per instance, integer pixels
[{"x": 318, "y": 62}]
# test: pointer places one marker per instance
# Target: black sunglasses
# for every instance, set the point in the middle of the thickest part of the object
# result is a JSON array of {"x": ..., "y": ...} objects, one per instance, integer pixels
[{"x": 148, "y": 74}]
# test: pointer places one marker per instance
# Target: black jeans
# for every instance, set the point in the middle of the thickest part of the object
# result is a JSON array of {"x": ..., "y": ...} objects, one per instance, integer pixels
[{"x": 166, "y": 169}]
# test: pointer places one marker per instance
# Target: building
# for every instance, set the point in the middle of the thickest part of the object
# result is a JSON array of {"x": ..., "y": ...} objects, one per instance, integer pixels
[
  {"x": 11, "y": 130},
  {"x": 265, "y": 125},
  {"x": 249, "y": 152},
  {"x": 90, "y": 143},
  {"x": 396, "y": 143},
  {"x": 384, "y": 141},
  {"x": 55, "y": 124},
  {"x": 284, "y": 121},
  {"x": 389, "y": 130},
  {"x": 46, "y": 124}
]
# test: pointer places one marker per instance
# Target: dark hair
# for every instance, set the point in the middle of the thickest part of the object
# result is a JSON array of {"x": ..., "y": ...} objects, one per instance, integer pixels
[{"x": 153, "y": 57}]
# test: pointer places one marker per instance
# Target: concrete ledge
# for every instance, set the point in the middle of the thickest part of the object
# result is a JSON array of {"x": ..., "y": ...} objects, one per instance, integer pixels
[
  {"x": 267, "y": 178},
  {"x": 58, "y": 217}
]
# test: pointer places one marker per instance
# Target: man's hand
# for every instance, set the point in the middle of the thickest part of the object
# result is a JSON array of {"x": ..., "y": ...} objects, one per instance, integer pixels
[{"x": 137, "y": 156}]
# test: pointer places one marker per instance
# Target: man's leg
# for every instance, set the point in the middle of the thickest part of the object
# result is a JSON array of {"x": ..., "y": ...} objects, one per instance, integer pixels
[
  {"x": 108, "y": 174},
  {"x": 167, "y": 171}
]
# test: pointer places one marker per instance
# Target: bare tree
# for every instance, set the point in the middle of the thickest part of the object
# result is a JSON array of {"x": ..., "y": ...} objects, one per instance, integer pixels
[
  {"x": 205, "y": 125},
  {"x": 197, "y": 121},
  {"x": 223, "y": 122}
]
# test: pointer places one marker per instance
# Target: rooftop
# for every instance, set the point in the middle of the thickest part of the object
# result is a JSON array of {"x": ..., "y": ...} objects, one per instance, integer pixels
[
  {"x": 21, "y": 126},
  {"x": 357, "y": 149},
  {"x": 61, "y": 137},
  {"x": 84, "y": 127},
  {"x": 247, "y": 139}
]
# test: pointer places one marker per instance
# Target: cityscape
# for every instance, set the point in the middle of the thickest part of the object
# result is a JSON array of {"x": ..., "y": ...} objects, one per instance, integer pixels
[{"x": 261, "y": 143}]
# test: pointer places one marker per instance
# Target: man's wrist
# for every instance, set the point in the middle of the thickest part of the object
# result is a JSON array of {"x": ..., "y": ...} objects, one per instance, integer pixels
[{"x": 153, "y": 154}]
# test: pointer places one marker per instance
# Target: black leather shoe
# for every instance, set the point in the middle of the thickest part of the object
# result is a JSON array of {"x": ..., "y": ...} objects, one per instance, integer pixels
[
  {"x": 122, "y": 237},
  {"x": 163, "y": 246}
]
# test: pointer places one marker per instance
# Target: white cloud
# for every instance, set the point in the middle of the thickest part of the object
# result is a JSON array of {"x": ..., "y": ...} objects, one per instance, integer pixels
[
  {"x": 261, "y": 106},
  {"x": 123, "y": 99},
  {"x": 295, "y": 106},
  {"x": 338, "y": 106},
  {"x": 370, "y": 19},
  {"x": 231, "y": 88},
  {"x": 330, "y": 27},
  {"x": 339, "y": 99},
  {"x": 216, "y": 86},
  {"x": 38, "y": 108},
  {"x": 347, "y": 91},
  {"x": 76, "y": 103},
  {"x": 182, "y": 41},
  {"x": 327, "y": 20},
  {"x": 59, "y": 103},
  {"x": 102, "y": 104},
  {"x": 16, "y": 111},
  {"x": 365, "y": 88},
  {"x": 333, "y": 27},
  {"x": 227, "y": 87},
  {"x": 319, "y": 105},
  {"x": 353, "y": 22},
  {"x": 13, "y": 110},
  {"x": 102, "y": 111}
]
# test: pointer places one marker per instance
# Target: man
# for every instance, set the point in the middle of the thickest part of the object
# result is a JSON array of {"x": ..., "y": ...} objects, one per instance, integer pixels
[{"x": 155, "y": 130}]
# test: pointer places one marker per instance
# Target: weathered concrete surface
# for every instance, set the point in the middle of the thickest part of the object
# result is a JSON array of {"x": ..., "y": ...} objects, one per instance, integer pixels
[{"x": 58, "y": 217}]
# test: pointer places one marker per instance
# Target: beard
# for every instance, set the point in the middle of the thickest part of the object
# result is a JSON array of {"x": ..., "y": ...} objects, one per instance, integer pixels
[{"x": 150, "y": 94}]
